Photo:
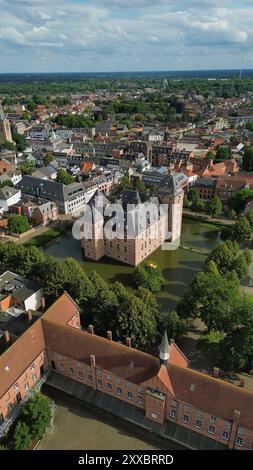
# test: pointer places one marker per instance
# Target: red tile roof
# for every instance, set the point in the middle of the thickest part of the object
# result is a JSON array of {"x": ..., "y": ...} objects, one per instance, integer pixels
[
  {"x": 208, "y": 394},
  {"x": 17, "y": 358},
  {"x": 62, "y": 310}
]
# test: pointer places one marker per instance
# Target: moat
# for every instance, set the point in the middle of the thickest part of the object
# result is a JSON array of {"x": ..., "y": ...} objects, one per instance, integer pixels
[{"x": 179, "y": 267}]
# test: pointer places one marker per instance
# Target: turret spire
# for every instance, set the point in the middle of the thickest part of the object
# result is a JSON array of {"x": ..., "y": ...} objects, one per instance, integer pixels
[{"x": 164, "y": 349}]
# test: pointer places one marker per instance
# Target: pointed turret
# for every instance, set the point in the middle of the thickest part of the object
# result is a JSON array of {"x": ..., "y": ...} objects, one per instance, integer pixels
[{"x": 164, "y": 349}]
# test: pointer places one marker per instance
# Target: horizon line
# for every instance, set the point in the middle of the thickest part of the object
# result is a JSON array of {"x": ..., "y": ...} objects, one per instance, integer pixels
[{"x": 131, "y": 71}]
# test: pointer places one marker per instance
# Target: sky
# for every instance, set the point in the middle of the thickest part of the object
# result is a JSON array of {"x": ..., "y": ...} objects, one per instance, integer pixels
[{"x": 125, "y": 35}]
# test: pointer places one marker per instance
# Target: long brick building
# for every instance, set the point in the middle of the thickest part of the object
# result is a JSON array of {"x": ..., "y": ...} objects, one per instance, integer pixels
[{"x": 166, "y": 395}]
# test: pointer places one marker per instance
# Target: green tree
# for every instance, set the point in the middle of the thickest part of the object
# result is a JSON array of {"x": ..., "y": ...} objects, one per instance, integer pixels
[
  {"x": 20, "y": 141},
  {"x": 79, "y": 287},
  {"x": 239, "y": 199},
  {"x": 223, "y": 153},
  {"x": 18, "y": 223},
  {"x": 210, "y": 155},
  {"x": 210, "y": 296},
  {"x": 174, "y": 325},
  {"x": 126, "y": 183},
  {"x": 215, "y": 207},
  {"x": 64, "y": 177},
  {"x": 7, "y": 183},
  {"x": 150, "y": 276},
  {"x": 54, "y": 277},
  {"x": 247, "y": 160},
  {"x": 237, "y": 346},
  {"x": 211, "y": 268},
  {"x": 187, "y": 202},
  {"x": 48, "y": 158},
  {"x": 249, "y": 216},
  {"x": 232, "y": 214},
  {"x": 31, "y": 262},
  {"x": 242, "y": 230},
  {"x": 104, "y": 304},
  {"x": 247, "y": 256},
  {"x": 140, "y": 185},
  {"x": 22, "y": 438},
  {"x": 8, "y": 145},
  {"x": 37, "y": 415},
  {"x": 241, "y": 266},
  {"x": 135, "y": 318},
  {"x": 223, "y": 256},
  {"x": 26, "y": 116}
]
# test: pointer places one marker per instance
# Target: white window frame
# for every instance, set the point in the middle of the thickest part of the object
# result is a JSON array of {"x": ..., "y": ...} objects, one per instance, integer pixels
[
  {"x": 173, "y": 414},
  {"x": 237, "y": 441}
]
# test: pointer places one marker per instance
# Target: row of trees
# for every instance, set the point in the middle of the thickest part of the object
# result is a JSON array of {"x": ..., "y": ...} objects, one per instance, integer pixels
[
  {"x": 214, "y": 296},
  {"x": 106, "y": 307},
  {"x": 74, "y": 121},
  {"x": 35, "y": 417},
  {"x": 193, "y": 202}
]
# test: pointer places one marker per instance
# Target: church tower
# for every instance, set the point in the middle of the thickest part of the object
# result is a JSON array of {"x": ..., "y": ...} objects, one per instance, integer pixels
[
  {"x": 94, "y": 224},
  {"x": 5, "y": 130}
]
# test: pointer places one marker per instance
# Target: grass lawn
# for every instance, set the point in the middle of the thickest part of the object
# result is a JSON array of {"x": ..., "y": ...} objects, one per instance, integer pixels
[{"x": 45, "y": 237}]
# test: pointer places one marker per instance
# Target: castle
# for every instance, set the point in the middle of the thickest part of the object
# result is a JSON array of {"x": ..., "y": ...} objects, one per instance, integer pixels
[
  {"x": 134, "y": 248},
  {"x": 161, "y": 394}
]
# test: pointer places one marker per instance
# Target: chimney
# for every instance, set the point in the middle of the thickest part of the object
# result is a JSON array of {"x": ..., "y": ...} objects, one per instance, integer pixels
[
  {"x": 29, "y": 315},
  {"x": 241, "y": 383},
  {"x": 129, "y": 342},
  {"x": 237, "y": 414},
  {"x": 7, "y": 337},
  {"x": 91, "y": 329},
  {"x": 216, "y": 372},
  {"x": 109, "y": 335},
  {"x": 92, "y": 360},
  {"x": 43, "y": 303}
]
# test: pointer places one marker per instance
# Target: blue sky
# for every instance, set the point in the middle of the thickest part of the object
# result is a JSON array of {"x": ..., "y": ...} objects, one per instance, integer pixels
[{"x": 125, "y": 35}]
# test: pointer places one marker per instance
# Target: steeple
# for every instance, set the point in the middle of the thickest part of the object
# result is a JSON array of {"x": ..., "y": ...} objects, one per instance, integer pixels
[{"x": 164, "y": 349}]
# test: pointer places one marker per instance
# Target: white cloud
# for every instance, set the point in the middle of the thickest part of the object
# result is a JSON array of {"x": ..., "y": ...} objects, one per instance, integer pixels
[{"x": 67, "y": 35}]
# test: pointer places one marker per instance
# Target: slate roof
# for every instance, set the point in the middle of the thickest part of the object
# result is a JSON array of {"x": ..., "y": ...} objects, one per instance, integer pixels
[
  {"x": 49, "y": 189},
  {"x": 7, "y": 192}
]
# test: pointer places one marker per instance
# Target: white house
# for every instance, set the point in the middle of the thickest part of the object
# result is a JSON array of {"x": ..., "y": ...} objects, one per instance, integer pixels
[{"x": 8, "y": 197}]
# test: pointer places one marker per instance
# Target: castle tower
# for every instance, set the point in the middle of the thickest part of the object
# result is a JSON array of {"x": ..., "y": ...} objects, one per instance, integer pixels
[
  {"x": 94, "y": 225},
  {"x": 170, "y": 192},
  {"x": 5, "y": 130}
]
